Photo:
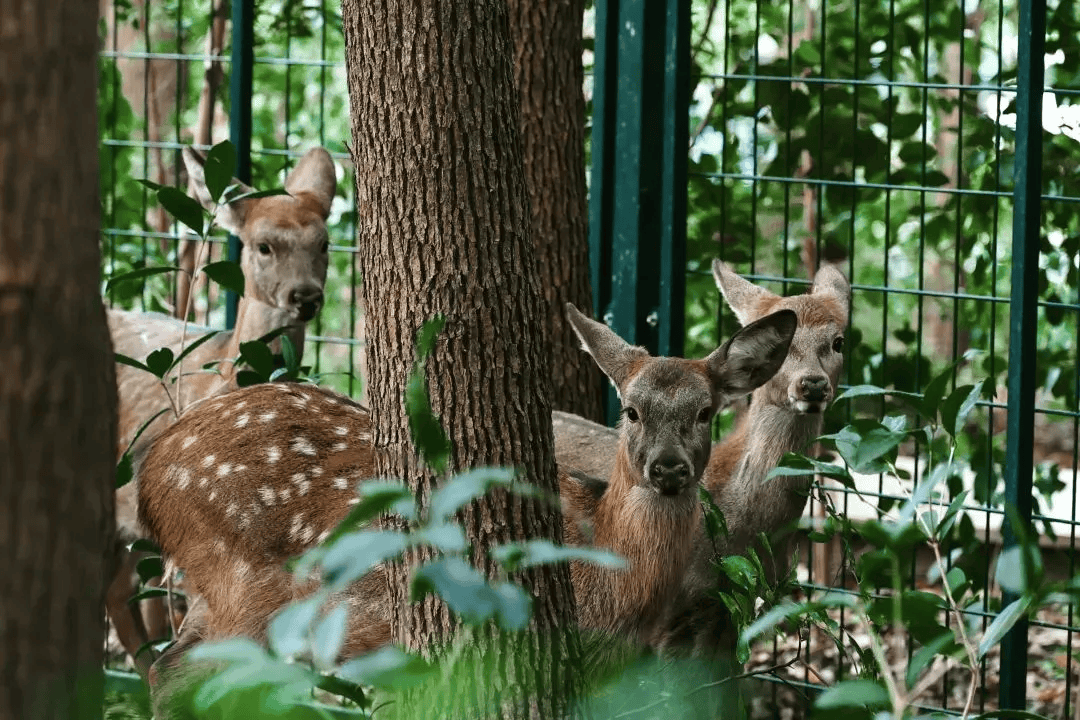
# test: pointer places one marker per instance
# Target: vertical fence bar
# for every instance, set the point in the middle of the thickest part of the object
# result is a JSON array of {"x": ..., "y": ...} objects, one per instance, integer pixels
[
  {"x": 672, "y": 309},
  {"x": 1023, "y": 320},
  {"x": 240, "y": 86},
  {"x": 605, "y": 71}
]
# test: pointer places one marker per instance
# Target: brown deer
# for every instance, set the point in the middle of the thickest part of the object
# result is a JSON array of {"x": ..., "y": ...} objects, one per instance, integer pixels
[
  {"x": 284, "y": 264},
  {"x": 785, "y": 415},
  {"x": 266, "y": 472}
]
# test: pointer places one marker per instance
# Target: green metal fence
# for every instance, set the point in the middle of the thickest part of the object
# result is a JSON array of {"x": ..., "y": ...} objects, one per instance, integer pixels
[{"x": 900, "y": 139}]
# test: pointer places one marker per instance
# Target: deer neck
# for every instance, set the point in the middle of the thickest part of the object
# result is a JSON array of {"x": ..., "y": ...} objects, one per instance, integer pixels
[
  {"x": 653, "y": 533},
  {"x": 254, "y": 319},
  {"x": 750, "y": 503}
]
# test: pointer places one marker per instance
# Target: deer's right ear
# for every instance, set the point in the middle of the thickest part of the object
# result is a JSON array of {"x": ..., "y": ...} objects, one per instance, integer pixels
[
  {"x": 743, "y": 297},
  {"x": 753, "y": 355},
  {"x": 315, "y": 178},
  {"x": 229, "y": 216},
  {"x": 617, "y": 358}
]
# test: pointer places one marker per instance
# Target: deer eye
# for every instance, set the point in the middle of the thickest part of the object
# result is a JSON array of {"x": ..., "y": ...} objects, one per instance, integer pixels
[
  {"x": 838, "y": 344},
  {"x": 631, "y": 414},
  {"x": 325, "y": 247},
  {"x": 705, "y": 415},
  {"x": 264, "y": 249}
]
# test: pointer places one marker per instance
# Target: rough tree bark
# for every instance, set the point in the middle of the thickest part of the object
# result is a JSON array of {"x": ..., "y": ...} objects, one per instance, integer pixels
[
  {"x": 57, "y": 387},
  {"x": 444, "y": 228},
  {"x": 547, "y": 66}
]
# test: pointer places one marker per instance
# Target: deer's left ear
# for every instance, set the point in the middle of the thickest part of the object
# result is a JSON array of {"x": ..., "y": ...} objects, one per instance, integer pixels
[{"x": 830, "y": 281}]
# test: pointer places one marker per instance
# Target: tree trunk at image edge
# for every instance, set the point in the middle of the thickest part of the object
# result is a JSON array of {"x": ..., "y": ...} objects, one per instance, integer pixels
[
  {"x": 444, "y": 228},
  {"x": 547, "y": 63},
  {"x": 57, "y": 385}
]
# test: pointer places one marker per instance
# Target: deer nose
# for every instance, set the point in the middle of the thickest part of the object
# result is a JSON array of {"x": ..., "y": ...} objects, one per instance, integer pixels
[
  {"x": 669, "y": 474},
  {"x": 814, "y": 388},
  {"x": 306, "y": 299}
]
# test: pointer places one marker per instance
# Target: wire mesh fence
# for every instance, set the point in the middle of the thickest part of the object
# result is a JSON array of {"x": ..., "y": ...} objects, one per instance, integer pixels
[{"x": 876, "y": 135}]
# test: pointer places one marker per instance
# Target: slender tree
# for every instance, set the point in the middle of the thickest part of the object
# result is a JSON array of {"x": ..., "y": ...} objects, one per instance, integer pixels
[
  {"x": 57, "y": 388},
  {"x": 547, "y": 66},
  {"x": 444, "y": 228}
]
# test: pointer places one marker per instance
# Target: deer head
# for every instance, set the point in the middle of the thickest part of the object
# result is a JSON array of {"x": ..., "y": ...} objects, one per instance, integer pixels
[
  {"x": 284, "y": 236},
  {"x": 806, "y": 382},
  {"x": 668, "y": 403}
]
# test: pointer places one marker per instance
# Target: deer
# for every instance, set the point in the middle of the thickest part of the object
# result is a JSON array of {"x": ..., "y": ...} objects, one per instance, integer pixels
[
  {"x": 785, "y": 415},
  {"x": 284, "y": 263},
  {"x": 266, "y": 472}
]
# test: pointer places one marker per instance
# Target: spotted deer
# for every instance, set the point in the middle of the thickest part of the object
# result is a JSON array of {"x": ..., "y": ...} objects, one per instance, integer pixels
[
  {"x": 284, "y": 263},
  {"x": 266, "y": 472}
]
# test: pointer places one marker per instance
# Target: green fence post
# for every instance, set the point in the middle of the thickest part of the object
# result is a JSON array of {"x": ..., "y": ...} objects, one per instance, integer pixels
[
  {"x": 1023, "y": 321},
  {"x": 638, "y": 179},
  {"x": 240, "y": 87}
]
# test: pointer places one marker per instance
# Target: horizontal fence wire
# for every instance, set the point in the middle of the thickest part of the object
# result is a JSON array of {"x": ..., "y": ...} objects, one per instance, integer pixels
[{"x": 877, "y": 136}]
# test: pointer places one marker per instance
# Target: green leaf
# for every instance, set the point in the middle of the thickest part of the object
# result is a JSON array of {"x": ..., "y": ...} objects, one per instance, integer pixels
[
  {"x": 956, "y": 407},
  {"x": 921, "y": 658},
  {"x": 865, "y": 443},
  {"x": 138, "y": 274},
  {"x": 149, "y": 568},
  {"x": 353, "y": 556},
  {"x": 145, "y": 545},
  {"x": 465, "y": 487},
  {"x": 190, "y": 348},
  {"x": 376, "y": 498},
  {"x": 1009, "y": 573},
  {"x": 232, "y": 197},
  {"x": 469, "y": 596},
  {"x": 1002, "y": 624},
  {"x": 227, "y": 274},
  {"x": 516, "y": 556},
  {"x": 447, "y": 537},
  {"x": 218, "y": 169},
  {"x": 160, "y": 361},
  {"x": 427, "y": 334},
  {"x": 150, "y": 184},
  {"x": 147, "y": 594},
  {"x": 859, "y": 693},
  {"x": 740, "y": 570},
  {"x": 772, "y": 618},
  {"x": 183, "y": 208},
  {"x": 428, "y": 435},
  {"x": 288, "y": 352},
  {"x": 795, "y": 465},
  {"x": 388, "y": 668},
  {"x": 289, "y": 629},
  {"x": 132, "y": 362},
  {"x": 124, "y": 471},
  {"x": 873, "y": 390},
  {"x": 329, "y": 636},
  {"x": 258, "y": 357}
]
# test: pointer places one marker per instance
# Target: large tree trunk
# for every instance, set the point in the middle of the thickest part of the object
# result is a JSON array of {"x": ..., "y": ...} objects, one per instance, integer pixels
[
  {"x": 444, "y": 228},
  {"x": 57, "y": 388},
  {"x": 547, "y": 62}
]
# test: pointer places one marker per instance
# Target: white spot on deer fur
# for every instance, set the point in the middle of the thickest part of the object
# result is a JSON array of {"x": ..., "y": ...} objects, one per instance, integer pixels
[
  {"x": 179, "y": 475},
  {"x": 213, "y": 494},
  {"x": 267, "y": 494},
  {"x": 224, "y": 469},
  {"x": 329, "y": 400},
  {"x": 284, "y": 494},
  {"x": 242, "y": 420},
  {"x": 364, "y": 437},
  {"x": 341, "y": 430},
  {"x": 317, "y": 471},
  {"x": 340, "y": 483},
  {"x": 230, "y": 509},
  {"x": 354, "y": 501},
  {"x": 297, "y": 526},
  {"x": 299, "y": 401},
  {"x": 356, "y": 409},
  {"x": 322, "y": 536},
  {"x": 273, "y": 454},
  {"x": 240, "y": 405},
  {"x": 303, "y": 446},
  {"x": 267, "y": 416},
  {"x": 338, "y": 447},
  {"x": 308, "y": 534},
  {"x": 208, "y": 461},
  {"x": 204, "y": 481},
  {"x": 302, "y": 483},
  {"x": 240, "y": 468},
  {"x": 188, "y": 442}
]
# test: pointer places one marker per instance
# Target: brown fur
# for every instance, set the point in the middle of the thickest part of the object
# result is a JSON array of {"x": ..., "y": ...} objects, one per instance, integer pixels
[{"x": 298, "y": 262}]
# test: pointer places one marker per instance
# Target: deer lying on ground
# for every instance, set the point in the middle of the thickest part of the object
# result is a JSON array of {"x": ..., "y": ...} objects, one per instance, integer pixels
[
  {"x": 284, "y": 263},
  {"x": 266, "y": 472}
]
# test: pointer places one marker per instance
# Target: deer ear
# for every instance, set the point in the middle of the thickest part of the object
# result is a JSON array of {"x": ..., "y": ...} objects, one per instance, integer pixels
[
  {"x": 753, "y": 355},
  {"x": 742, "y": 296},
  {"x": 229, "y": 216},
  {"x": 830, "y": 281},
  {"x": 616, "y": 357},
  {"x": 315, "y": 179}
]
